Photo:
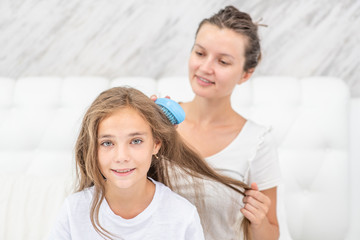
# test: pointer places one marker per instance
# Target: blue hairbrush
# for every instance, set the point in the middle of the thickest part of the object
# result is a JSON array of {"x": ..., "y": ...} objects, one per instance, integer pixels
[{"x": 172, "y": 110}]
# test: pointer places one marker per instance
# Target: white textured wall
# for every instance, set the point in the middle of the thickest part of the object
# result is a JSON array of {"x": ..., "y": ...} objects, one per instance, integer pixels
[{"x": 153, "y": 37}]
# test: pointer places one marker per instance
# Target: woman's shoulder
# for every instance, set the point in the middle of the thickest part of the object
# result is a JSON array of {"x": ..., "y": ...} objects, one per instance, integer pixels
[
  {"x": 259, "y": 135},
  {"x": 255, "y": 132},
  {"x": 255, "y": 127}
]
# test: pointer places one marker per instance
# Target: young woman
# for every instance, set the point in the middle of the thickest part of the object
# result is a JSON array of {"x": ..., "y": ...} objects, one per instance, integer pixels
[
  {"x": 126, "y": 152},
  {"x": 225, "y": 54}
]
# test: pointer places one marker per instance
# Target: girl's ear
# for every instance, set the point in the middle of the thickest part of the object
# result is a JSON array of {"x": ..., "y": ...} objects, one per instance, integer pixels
[
  {"x": 157, "y": 145},
  {"x": 246, "y": 76}
]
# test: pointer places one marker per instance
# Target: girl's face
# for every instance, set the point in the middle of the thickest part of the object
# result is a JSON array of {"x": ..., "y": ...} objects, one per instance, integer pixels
[
  {"x": 216, "y": 62},
  {"x": 125, "y": 149}
]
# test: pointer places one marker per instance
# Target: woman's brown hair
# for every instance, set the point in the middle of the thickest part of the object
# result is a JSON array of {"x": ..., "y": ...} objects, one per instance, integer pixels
[
  {"x": 175, "y": 158},
  {"x": 240, "y": 22}
]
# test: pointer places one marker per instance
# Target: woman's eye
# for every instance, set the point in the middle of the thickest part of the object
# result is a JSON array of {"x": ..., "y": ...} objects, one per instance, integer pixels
[
  {"x": 224, "y": 62},
  {"x": 136, "y": 141},
  {"x": 106, "y": 144},
  {"x": 199, "y": 53}
]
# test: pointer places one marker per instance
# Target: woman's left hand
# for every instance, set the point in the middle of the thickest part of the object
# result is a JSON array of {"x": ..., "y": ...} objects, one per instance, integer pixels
[{"x": 256, "y": 206}]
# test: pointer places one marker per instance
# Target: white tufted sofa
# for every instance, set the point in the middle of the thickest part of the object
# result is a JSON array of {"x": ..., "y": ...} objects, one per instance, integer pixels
[{"x": 315, "y": 123}]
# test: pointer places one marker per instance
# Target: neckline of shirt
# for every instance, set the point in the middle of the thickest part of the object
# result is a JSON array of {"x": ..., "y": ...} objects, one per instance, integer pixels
[{"x": 144, "y": 215}]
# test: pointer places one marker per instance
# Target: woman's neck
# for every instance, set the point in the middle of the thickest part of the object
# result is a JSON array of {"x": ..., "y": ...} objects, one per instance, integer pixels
[
  {"x": 130, "y": 202},
  {"x": 209, "y": 111}
]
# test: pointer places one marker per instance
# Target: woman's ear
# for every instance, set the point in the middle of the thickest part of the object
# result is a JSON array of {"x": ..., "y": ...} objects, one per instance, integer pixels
[{"x": 246, "y": 76}]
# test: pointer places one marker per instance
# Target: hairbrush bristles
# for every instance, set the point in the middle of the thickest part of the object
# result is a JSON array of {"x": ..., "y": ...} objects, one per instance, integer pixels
[
  {"x": 171, "y": 109},
  {"x": 169, "y": 115}
]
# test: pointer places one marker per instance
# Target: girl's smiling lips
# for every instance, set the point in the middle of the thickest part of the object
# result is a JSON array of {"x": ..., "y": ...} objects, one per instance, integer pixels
[{"x": 123, "y": 172}]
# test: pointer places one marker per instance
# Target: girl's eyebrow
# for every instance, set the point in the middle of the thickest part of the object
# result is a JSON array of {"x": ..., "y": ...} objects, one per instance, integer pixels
[
  {"x": 137, "y": 134},
  {"x": 129, "y": 135},
  {"x": 105, "y": 136}
]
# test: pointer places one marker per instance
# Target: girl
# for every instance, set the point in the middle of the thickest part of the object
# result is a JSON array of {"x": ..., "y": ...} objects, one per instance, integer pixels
[
  {"x": 225, "y": 54},
  {"x": 125, "y": 153}
]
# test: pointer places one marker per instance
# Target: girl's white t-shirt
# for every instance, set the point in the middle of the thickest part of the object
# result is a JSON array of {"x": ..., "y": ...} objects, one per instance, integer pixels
[{"x": 168, "y": 216}]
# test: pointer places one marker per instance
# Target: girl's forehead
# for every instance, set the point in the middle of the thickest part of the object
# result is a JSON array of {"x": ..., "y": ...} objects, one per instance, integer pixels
[
  {"x": 124, "y": 120},
  {"x": 123, "y": 111}
]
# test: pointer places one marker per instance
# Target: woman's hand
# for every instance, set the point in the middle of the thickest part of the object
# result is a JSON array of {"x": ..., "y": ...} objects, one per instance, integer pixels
[
  {"x": 154, "y": 97},
  {"x": 256, "y": 206}
]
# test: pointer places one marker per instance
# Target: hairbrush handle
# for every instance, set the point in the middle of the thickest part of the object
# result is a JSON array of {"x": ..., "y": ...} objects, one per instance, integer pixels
[{"x": 172, "y": 110}]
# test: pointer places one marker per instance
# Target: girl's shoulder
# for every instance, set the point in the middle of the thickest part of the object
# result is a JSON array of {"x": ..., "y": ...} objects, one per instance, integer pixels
[
  {"x": 80, "y": 198},
  {"x": 168, "y": 198}
]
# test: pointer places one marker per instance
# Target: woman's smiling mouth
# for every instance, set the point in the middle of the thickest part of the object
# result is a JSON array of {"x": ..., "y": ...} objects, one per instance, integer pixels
[{"x": 204, "y": 81}]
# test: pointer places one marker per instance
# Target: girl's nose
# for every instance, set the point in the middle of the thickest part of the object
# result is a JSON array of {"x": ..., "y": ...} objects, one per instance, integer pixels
[{"x": 122, "y": 154}]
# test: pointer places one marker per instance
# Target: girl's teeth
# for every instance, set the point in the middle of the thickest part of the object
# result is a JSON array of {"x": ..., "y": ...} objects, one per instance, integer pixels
[{"x": 122, "y": 171}]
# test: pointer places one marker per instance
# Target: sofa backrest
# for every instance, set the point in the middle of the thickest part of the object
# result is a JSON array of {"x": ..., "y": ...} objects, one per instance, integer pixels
[{"x": 40, "y": 119}]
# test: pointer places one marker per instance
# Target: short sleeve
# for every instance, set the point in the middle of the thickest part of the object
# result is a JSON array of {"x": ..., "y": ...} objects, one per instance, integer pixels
[
  {"x": 264, "y": 167},
  {"x": 61, "y": 228},
  {"x": 194, "y": 229}
]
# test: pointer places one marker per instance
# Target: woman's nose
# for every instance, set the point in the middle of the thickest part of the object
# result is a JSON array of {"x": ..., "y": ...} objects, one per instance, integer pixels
[{"x": 206, "y": 66}]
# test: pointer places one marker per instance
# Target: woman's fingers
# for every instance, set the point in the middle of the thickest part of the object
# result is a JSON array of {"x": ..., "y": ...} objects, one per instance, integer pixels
[
  {"x": 153, "y": 97},
  {"x": 254, "y": 214},
  {"x": 259, "y": 196},
  {"x": 252, "y": 201},
  {"x": 249, "y": 200},
  {"x": 249, "y": 215},
  {"x": 254, "y": 186},
  {"x": 256, "y": 205}
]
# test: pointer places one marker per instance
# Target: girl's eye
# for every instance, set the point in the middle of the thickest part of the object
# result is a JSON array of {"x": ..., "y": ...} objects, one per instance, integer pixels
[
  {"x": 107, "y": 144},
  {"x": 136, "y": 141}
]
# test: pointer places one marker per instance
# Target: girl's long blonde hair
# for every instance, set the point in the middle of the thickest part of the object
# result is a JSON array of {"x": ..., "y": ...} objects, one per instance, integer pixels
[{"x": 174, "y": 154}]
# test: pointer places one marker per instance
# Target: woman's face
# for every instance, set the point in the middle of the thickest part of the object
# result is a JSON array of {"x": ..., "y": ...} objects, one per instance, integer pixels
[
  {"x": 216, "y": 62},
  {"x": 125, "y": 149}
]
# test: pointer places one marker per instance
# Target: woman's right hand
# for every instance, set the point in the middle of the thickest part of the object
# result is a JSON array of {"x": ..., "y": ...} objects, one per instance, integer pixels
[{"x": 154, "y": 97}]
